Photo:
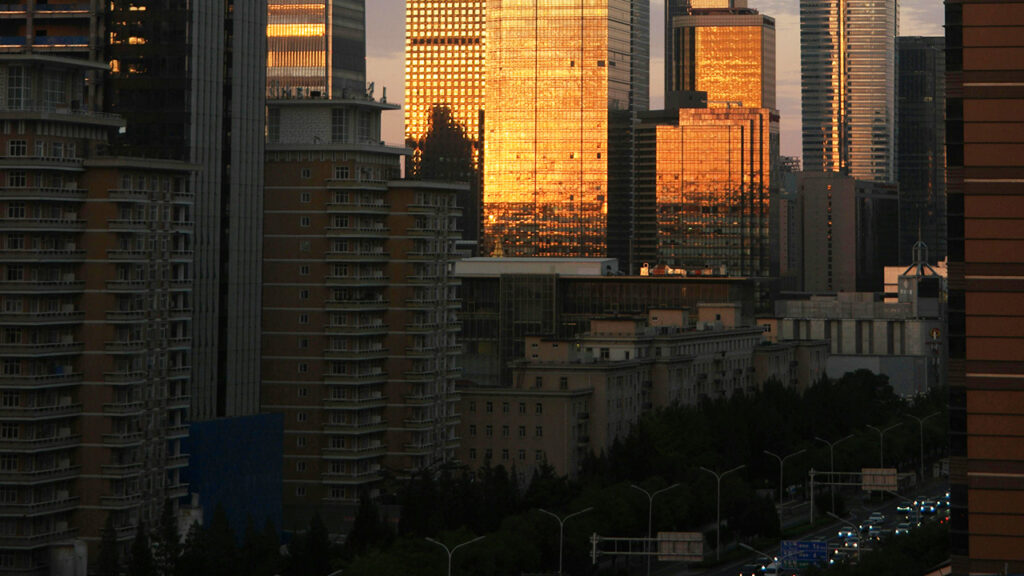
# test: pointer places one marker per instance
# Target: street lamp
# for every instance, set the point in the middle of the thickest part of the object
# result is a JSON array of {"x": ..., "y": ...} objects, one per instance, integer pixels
[
  {"x": 782, "y": 466},
  {"x": 832, "y": 464},
  {"x": 718, "y": 508},
  {"x": 561, "y": 526},
  {"x": 881, "y": 441},
  {"x": 650, "y": 515},
  {"x": 920, "y": 422},
  {"x": 756, "y": 551},
  {"x": 452, "y": 550}
]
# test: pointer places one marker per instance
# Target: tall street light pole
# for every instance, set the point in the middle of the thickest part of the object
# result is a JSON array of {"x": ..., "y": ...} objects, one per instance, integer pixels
[
  {"x": 650, "y": 515},
  {"x": 718, "y": 507},
  {"x": 561, "y": 530},
  {"x": 920, "y": 422},
  {"x": 782, "y": 466},
  {"x": 452, "y": 550},
  {"x": 832, "y": 464},
  {"x": 881, "y": 441}
]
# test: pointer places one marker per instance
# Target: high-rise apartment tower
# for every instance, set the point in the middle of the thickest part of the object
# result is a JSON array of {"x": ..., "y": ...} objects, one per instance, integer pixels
[{"x": 848, "y": 87}]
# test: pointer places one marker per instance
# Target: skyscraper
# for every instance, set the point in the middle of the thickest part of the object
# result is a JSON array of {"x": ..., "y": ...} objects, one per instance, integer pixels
[
  {"x": 444, "y": 96},
  {"x": 558, "y": 72},
  {"x": 722, "y": 48},
  {"x": 921, "y": 150},
  {"x": 316, "y": 48},
  {"x": 985, "y": 203},
  {"x": 848, "y": 87}
]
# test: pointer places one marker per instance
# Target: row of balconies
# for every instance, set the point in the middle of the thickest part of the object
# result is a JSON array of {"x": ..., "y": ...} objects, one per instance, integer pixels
[
  {"x": 55, "y": 317},
  {"x": 43, "y": 193},
  {"x": 35, "y": 413},
  {"x": 36, "y": 350},
  {"x": 35, "y": 477},
  {"x": 29, "y": 445},
  {"x": 47, "y": 224},
  {"x": 29, "y": 510}
]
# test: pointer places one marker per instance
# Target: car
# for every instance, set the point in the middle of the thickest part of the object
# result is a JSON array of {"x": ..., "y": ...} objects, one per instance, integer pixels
[
  {"x": 902, "y": 528},
  {"x": 851, "y": 543},
  {"x": 843, "y": 556},
  {"x": 875, "y": 533},
  {"x": 875, "y": 519},
  {"x": 845, "y": 533},
  {"x": 927, "y": 507},
  {"x": 905, "y": 508},
  {"x": 751, "y": 570}
]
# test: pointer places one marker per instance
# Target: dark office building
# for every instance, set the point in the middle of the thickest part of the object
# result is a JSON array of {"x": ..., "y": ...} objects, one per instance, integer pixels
[
  {"x": 985, "y": 209},
  {"x": 920, "y": 150}
]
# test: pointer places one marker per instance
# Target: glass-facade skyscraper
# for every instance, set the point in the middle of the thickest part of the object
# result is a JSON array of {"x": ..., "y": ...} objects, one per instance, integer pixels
[
  {"x": 316, "y": 47},
  {"x": 848, "y": 87},
  {"x": 558, "y": 72},
  {"x": 724, "y": 49}
]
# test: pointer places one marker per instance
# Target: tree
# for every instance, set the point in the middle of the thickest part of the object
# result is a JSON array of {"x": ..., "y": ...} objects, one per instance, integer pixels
[
  {"x": 141, "y": 561},
  {"x": 367, "y": 530},
  {"x": 166, "y": 542},
  {"x": 109, "y": 561}
]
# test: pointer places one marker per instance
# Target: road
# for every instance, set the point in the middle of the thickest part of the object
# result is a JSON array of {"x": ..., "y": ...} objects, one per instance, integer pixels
[{"x": 861, "y": 509}]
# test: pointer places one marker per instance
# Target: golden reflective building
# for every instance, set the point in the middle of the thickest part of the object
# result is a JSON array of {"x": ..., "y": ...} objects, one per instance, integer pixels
[
  {"x": 722, "y": 48},
  {"x": 315, "y": 47},
  {"x": 444, "y": 64},
  {"x": 706, "y": 174},
  {"x": 558, "y": 72}
]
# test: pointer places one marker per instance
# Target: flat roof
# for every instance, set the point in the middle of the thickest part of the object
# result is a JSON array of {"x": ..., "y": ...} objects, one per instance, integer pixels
[{"x": 483, "y": 266}]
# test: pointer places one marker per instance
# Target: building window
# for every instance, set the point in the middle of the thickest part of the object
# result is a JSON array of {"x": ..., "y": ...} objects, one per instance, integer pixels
[
  {"x": 304, "y": 221},
  {"x": 16, "y": 179},
  {"x": 15, "y": 210},
  {"x": 303, "y": 367},
  {"x": 539, "y": 408},
  {"x": 538, "y": 382},
  {"x": 8, "y": 431},
  {"x": 489, "y": 431},
  {"x": 303, "y": 392},
  {"x": 10, "y": 399},
  {"x": 339, "y": 129},
  {"x": 522, "y": 454},
  {"x": 472, "y": 405},
  {"x": 488, "y": 454},
  {"x": 490, "y": 407},
  {"x": 300, "y": 490},
  {"x": 504, "y": 431},
  {"x": 300, "y": 466},
  {"x": 303, "y": 294},
  {"x": 522, "y": 407},
  {"x": 304, "y": 270},
  {"x": 300, "y": 417},
  {"x": 563, "y": 383},
  {"x": 522, "y": 431},
  {"x": 18, "y": 88},
  {"x": 504, "y": 408},
  {"x": 305, "y": 197},
  {"x": 364, "y": 127},
  {"x": 274, "y": 125},
  {"x": 300, "y": 442},
  {"x": 305, "y": 173},
  {"x": 504, "y": 454},
  {"x": 604, "y": 354},
  {"x": 538, "y": 431},
  {"x": 303, "y": 343},
  {"x": 15, "y": 272},
  {"x": 8, "y": 463},
  {"x": 472, "y": 430},
  {"x": 538, "y": 455},
  {"x": 341, "y": 173},
  {"x": 303, "y": 318},
  {"x": 472, "y": 453},
  {"x": 17, "y": 148}
]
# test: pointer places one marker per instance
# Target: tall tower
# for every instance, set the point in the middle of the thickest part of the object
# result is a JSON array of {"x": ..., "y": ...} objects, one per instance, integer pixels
[
  {"x": 444, "y": 96},
  {"x": 921, "y": 150},
  {"x": 316, "y": 48},
  {"x": 985, "y": 203},
  {"x": 848, "y": 79},
  {"x": 558, "y": 72}
]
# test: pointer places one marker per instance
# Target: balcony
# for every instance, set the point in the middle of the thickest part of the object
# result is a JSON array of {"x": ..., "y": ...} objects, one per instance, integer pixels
[
  {"x": 356, "y": 304},
  {"x": 356, "y": 231},
  {"x": 55, "y": 318},
  {"x": 36, "y": 477},
  {"x": 38, "y": 508},
  {"x": 129, "y": 285},
  {"x": 121, "y": 470},
  {"x": 58, "y": 286},
  {"x": 358, "y": 256},
  {"x": 35, "y": 193},
  {"x": 419, "y": 423},
  {"x": 356, "y": 329},
  {"x": 57, "y": 255},
  {"x": 178, "y": 461},
  {"x": 124, "y": 408},
  {"x": 362, "y": 378},
  {"x": 356, "y": 402},
  {"x": 32, "y": 381},
  {"x": 38, "y": 350},
  {"x": 27, "y": 445},
  {"x": 356, "y": 428},
  {"x": 126, "y": 254},
  {"x": 62, "y": 10},
  {"x": 54, "y": 411},
  {"x": 128, "y": 316},
  {"x": 125, "y": 346},
  {"x": 125, "y": 378},
  {"x": 354, "y": 280},
  {"x": 360, "y": 354},
  {"x": 44, "y": 224},
  {"x": 121, "y": 501},
  {"x": 55, "y": 113},
  {"x": 38, "y": 539},
  {"x": 369, "y": 207},
  {"x": 123, "y": 439},
  {"x": 126, "y": 195},
  {"x": 352, "y": 478},
  {"x": 359, "y": 453},
  {"x": 122, "y": 225}
]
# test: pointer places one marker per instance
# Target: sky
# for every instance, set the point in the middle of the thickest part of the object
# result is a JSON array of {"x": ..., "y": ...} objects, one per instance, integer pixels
[{"x": 385, "y": 50}]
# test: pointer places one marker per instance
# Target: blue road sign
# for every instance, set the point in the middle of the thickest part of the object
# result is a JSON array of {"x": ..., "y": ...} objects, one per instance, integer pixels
[{"x": 803, "y": 552}]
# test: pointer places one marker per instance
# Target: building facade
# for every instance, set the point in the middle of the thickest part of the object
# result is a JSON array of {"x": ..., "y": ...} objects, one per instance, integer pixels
[
  {"x": 985, "y": 204},
  {"x": 848, "y": 87},
  {"x": 97, "y": 301},
  {"x": 359, "y": 307},
  {"x": 722, "y": 48},
  {"x": 558, "y": 76},
  {"x": 921, "y": 151},
  {"x": 849, "y": 231},
  {"x": 315, "y": 49},
  {"x": 710, "y": 189}
]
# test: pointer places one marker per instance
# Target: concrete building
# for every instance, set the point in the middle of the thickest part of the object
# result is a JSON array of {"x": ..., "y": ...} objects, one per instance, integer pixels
[
  {"x": 359, "y": 313},
  {"x": 97, "y": 299},
  {"x": 504, "y": 300},
  {"x": 985, "y": 203},
  {"x": 572, "y": 398},
  {"x": 848, "y": 231},
  {"x": 848, "y": 87}
]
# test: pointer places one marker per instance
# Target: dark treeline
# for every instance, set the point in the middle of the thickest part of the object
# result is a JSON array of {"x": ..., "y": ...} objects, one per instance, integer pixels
[{"x": 454, "y": 505}]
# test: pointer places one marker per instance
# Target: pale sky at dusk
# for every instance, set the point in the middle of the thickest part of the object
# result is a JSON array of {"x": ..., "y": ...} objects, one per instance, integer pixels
[{"x": 385, "y": 22}]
